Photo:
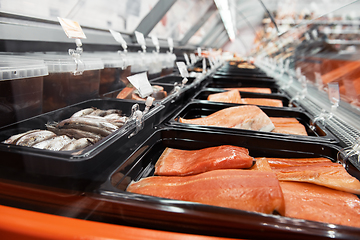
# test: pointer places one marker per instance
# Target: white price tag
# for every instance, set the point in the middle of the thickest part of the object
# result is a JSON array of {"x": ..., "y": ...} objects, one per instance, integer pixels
[
  {"x": 182, "y": 69},
  {"x": 315, "y": 33},
  {"x": 117, "y": 36},
  {"x": 155, "y": 41},
  {"x": 171, "y": 44},
  {"x": 204, "y": 65},
  {"x": 71, "y": 28},
  {"x": 334, "y": 93},
  {"x": 192, "y": 58},
  {"x": 141, "y": 83},
  {"x": 187, "y": 59},
  {"x": 199, "y": 51},
  {"x": 140, "y": 39},
  {"x": 307, "y": 36},
  {"x": 298, "y": 72},
  {"x": 318, "y": 80}
]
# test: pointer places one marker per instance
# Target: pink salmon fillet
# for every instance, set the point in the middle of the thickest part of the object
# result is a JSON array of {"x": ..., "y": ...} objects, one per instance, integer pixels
[
  {"x": 232, "y": 96},
  {"x": 316, "y": 203},
  {"x": 231, "y": 188},
  {"x": 263, "y": 102},
  {"x": 320, "y": 171},
  {"x": 251, "y": 89},
  {"x": 248, "y": 117},
  {"x": 176, "y": 162},
  {"x": 288, "y": 126}
]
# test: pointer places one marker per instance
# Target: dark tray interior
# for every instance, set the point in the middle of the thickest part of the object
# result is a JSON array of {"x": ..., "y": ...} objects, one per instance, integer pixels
[
  {"x": 203, "y": 95},
  {"x": 235, "y": 70},
  {"x": 235, "y": 78},
  {"x": 173, "y": 215},
  {"x": 273, "y": 86},
  {"x": 199, "y": 108},
  {"x": 69, "y": 163},
  {"x": 241, "y": 73}
]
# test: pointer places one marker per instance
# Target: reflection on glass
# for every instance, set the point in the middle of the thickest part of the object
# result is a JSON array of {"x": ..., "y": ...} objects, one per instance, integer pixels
[
  {"x": 123, "y": 16},
  {"x": 205, "y": 29},
  {"x": 325, "y": 49},
  {"x": 180, "y": 18}
]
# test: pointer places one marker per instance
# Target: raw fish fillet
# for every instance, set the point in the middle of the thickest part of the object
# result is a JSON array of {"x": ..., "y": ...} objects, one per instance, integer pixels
[
  {"x": 263, "y": 102},
  {"x": 232, "y": 188},
  {"x": 283, "y": 120},
  {"x": 251, "y": 89},
  {"x": 316, "y": 203},
  {"x": 294, "y": 129},
  {"x": 320, "y": 171},
  {"x": 248, "y": 117},
  {"x": 232, "y": 96},
  {"x": 288, "y": 126},
  {"x": 261, "y": 164},
  {"x": 176, "y": 162}
]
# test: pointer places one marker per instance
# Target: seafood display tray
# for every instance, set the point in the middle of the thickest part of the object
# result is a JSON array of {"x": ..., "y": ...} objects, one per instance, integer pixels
[
  {"x": 235, "y": 70},
  {"x": 171, "y": 80},
  {"x": 70, "y": 164},
  {"x": 241, "y": 73},
  {"x": 180, "y": 216},
  {"x": 200, "y": 108},
  {"x": 237, "y": 78},
  {"x": 203, "y": 95},
  {"x": 273, "y": 86}
]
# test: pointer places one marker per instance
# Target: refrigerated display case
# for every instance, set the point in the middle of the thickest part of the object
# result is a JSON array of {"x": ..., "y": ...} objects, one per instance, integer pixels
[{"x": 291, "y": 64}]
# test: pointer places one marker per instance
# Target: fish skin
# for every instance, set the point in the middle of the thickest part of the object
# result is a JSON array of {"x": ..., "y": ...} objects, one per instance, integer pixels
[
  {"x": 83, "y": 112},
  {"x": 232, "y": 96},
  {"x": 232, "y": 188},
  {"x": 316, "y": 203},
  {"x": 55, "y": 143},
  {"x": 319, "y": 171},
  {"x": 251, "y": 89},
  {"x": 14, "y": 138},
  {"x": 176, "y": 162},
  {"x": 100, "y": 123},
  {"x": 248, "y": 117},
  {"x": 88, "y": 128},
  {"x": 77, "y": 144},
  {"x": 35, "y": 137},
  {"x": 74, "y": 133}
]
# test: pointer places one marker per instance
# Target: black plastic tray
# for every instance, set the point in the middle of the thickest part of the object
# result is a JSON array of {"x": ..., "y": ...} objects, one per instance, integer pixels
[
  {"x": 275, "y": 88},
  {"x": 71, "y": 164},
  {"x": 203, "y": 95},
  {"x": 234, "y": 78},
  {"x": 236, "y": 70},
  {"x": 171, "y": 79},
  {"x": 180, "y": 216},
  {"x": 200, "y": 108}
]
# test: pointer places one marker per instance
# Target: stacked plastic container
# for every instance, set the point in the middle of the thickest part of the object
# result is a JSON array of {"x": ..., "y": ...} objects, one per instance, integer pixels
[{"x": 21, "y": 88}]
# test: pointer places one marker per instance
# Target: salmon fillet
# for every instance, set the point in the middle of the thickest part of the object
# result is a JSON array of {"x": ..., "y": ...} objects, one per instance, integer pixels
[
  {"x": 251, "y": 89},
  {"x": 294, "y": 129},
  {"x": 126, "y": 93},
  {"x": 232, "y": 96},
  {"x": 176, "y": 162},
  {"x": 320, "y": 171},
  {"x": 232, "y": 188},
  {"x": 248, "y": 117},
  {"x": 288, "y": 126},
  {"x": 317, "y": 203},
  {"x": 283, "y": 120},
  {"x": 263, "y": 102}
]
